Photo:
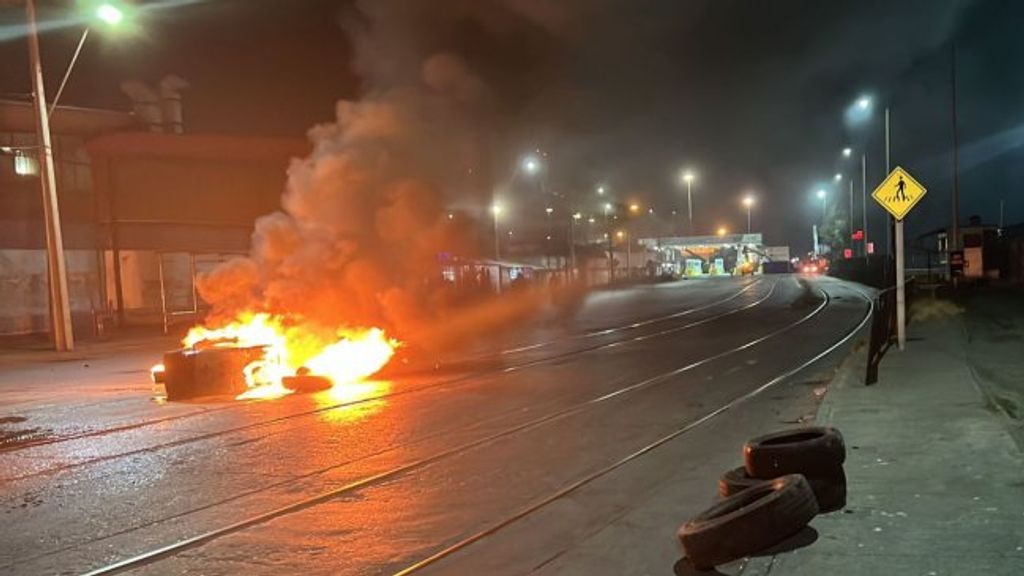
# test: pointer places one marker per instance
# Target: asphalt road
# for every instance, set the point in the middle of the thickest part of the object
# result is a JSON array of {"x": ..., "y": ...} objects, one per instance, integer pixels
[{"x": 575, "y": 448}]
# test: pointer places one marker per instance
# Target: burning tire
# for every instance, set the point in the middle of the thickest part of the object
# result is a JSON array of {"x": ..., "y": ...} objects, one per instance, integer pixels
[
  {"x": 829, "y": 489},
  {"x": 192, "y": 373},
  {"x": 812, "y": 451},
  {"x": 753, "y": 519},
  {"x": 305, "y": 383}
]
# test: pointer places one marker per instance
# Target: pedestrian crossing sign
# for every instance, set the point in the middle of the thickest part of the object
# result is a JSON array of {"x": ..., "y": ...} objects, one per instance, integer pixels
[{"x": 899, "y": 193}]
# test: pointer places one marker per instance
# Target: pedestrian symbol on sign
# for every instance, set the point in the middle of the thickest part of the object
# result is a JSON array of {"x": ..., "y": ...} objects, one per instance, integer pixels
[{"x": 899, "y": 193}]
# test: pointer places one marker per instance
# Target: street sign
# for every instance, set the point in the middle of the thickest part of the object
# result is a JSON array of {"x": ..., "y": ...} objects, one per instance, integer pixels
[
  {"x": 899, "y": 193},
  {"x": 956, "y": 262}
]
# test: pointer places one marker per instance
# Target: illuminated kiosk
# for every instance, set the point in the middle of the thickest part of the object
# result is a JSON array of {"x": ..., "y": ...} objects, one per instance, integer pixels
[{"x": 693, "y": 256}]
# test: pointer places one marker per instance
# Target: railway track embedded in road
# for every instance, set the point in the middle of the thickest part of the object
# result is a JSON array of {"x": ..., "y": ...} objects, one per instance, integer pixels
[
  {"x": 462, "y": 379},
  {"x": 235, "y": 406},
  {"x": 171, "y": 550}
]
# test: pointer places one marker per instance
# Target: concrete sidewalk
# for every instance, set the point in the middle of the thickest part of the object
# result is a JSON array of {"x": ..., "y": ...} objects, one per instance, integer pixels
[{"x": 936, "y": 482}]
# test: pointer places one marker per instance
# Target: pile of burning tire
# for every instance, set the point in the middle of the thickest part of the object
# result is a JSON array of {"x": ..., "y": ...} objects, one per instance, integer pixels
[{"x": 787, "y": 478}]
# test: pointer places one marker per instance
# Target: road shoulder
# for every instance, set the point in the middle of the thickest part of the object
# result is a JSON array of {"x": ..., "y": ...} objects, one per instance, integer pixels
[{"x": 934, "y": 474}]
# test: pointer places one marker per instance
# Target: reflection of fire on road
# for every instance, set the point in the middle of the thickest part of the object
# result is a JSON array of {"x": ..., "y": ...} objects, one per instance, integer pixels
[{"x": 292, "y": 347}]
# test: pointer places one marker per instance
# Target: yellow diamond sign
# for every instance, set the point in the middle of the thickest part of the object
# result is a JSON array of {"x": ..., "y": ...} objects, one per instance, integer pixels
[{"x": 899, "y": 193}]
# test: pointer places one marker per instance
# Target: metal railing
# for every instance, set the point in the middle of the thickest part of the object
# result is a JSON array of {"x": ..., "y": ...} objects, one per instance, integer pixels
[{"x": 883, "y": 327}]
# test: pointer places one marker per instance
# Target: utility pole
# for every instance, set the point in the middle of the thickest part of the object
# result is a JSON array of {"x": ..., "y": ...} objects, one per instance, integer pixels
[
  {"x": 851, "y": 217},
  {"x": 864, "y": 201},
  {"x": 60, "y": 307},
  {"x": 954, "y": 242}
]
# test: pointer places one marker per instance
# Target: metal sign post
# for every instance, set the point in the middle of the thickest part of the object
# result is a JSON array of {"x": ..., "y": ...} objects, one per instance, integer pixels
[
  {"x": 898, "y": 194},
  {"x": 901, "y": 297}
]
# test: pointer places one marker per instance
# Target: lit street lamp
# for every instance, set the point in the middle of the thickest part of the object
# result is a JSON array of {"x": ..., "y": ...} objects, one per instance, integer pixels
[
  {"x": 688, "y": 178},
  {"x": 531, "y": 165},
  {"x": 624, "y": 234},
  {"x": 722, "y": 231},
  {"x": 748, "y": 202},
  {"x": 60, "y": 306}
]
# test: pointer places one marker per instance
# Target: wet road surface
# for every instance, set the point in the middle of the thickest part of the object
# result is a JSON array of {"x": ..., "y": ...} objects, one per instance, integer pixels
[{"x": 521, "y": 458}]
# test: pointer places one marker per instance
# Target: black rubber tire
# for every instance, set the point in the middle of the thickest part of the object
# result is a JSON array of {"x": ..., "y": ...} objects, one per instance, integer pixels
[
  {"x": 752, "y": 520},
  {"x": 829, "y": 489},
  {"x": 735, "y": 481},
  {"x": 810, "y": 451}
]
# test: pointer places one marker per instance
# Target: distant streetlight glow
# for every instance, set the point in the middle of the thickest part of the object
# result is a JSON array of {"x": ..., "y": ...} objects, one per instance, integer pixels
[
  {"x": 838, "y": 177},
  {"x": 748, "y": 201},
  {"x": 864, "y": 103},
  {"x": 496, "y": 209},
  {"x": 688, "y": 178},
  {"x": 634, "y": 208},
  {"x": 600, "y": 190},
  {"x": 722, "y": 231},
  {"x": 531, "y": 165},
  {"x": 577, "y": 216},
  {"x": 847, "y": 152},
  {"x": 607, "y": 207},
  {"x": 821, "y": 194},
  {"x": 549, "y": 210},
  {"x": 110, "y": 14}
]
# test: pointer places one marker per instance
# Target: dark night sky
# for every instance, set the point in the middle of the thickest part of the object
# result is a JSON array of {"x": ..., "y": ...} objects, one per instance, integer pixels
[{"x": 749, "y": 93}]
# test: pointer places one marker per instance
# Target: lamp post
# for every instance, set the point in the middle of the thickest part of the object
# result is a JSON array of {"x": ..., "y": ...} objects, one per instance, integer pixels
[
  {"x": 572, "y": 242},
  {"x": 748, "y": 202},
  {"x": 608, "y": 235},
  {"x": 688, "y": 178},
  {"x": 547, "y": 239},
  {"x": 57, "y": 284},
  {"x": 60, "y": 306},
  {"x": 624, "y": 234}
]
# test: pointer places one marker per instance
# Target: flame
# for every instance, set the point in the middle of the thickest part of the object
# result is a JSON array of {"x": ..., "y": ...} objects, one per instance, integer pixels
[{"x": 344, "y": 356}]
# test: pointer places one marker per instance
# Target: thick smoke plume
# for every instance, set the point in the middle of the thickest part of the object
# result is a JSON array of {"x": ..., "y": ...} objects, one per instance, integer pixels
[{"x": 365, "y": 217}]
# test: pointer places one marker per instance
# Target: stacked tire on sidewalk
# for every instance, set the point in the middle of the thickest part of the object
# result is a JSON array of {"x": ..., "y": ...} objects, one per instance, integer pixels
[{"x": 786, "y": 479}]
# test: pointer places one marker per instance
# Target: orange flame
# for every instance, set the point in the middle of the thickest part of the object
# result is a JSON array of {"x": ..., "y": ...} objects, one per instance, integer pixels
[{"x": 344, "y": 356}]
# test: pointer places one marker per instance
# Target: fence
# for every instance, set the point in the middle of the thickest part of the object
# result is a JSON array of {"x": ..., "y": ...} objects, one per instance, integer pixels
[{"x": 883, "y": 327}]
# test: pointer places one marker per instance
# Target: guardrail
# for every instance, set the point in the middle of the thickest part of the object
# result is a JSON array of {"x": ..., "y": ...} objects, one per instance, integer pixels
[{"x": 883, "y": 327}]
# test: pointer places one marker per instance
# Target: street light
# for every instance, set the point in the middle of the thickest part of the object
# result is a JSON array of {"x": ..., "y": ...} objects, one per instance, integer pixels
[
  {"x": 110, "y": 14},
  {"x": 634, "y": 208},
  {"x": 547, "y": 239},
  {"x": 722, "y": 231},
  {"x": 748, "y": 201},
  {"x": 688, "y": 178},
  {"x": 57, "y": 285},
  {"x": 531, "y": 165},
  {"x": 600, "y": 190},
  {"x": 838, "y": 177},
  {"x": 847, "y": 152}
]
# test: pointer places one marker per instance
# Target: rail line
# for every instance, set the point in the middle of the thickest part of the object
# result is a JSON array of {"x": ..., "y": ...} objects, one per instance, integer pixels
[
  {"x": 580, "y": 483},
  {"x": 463, "y": 379},
  {"x": 495, "y": 355},
  {"x": 170, "y": 550}
]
